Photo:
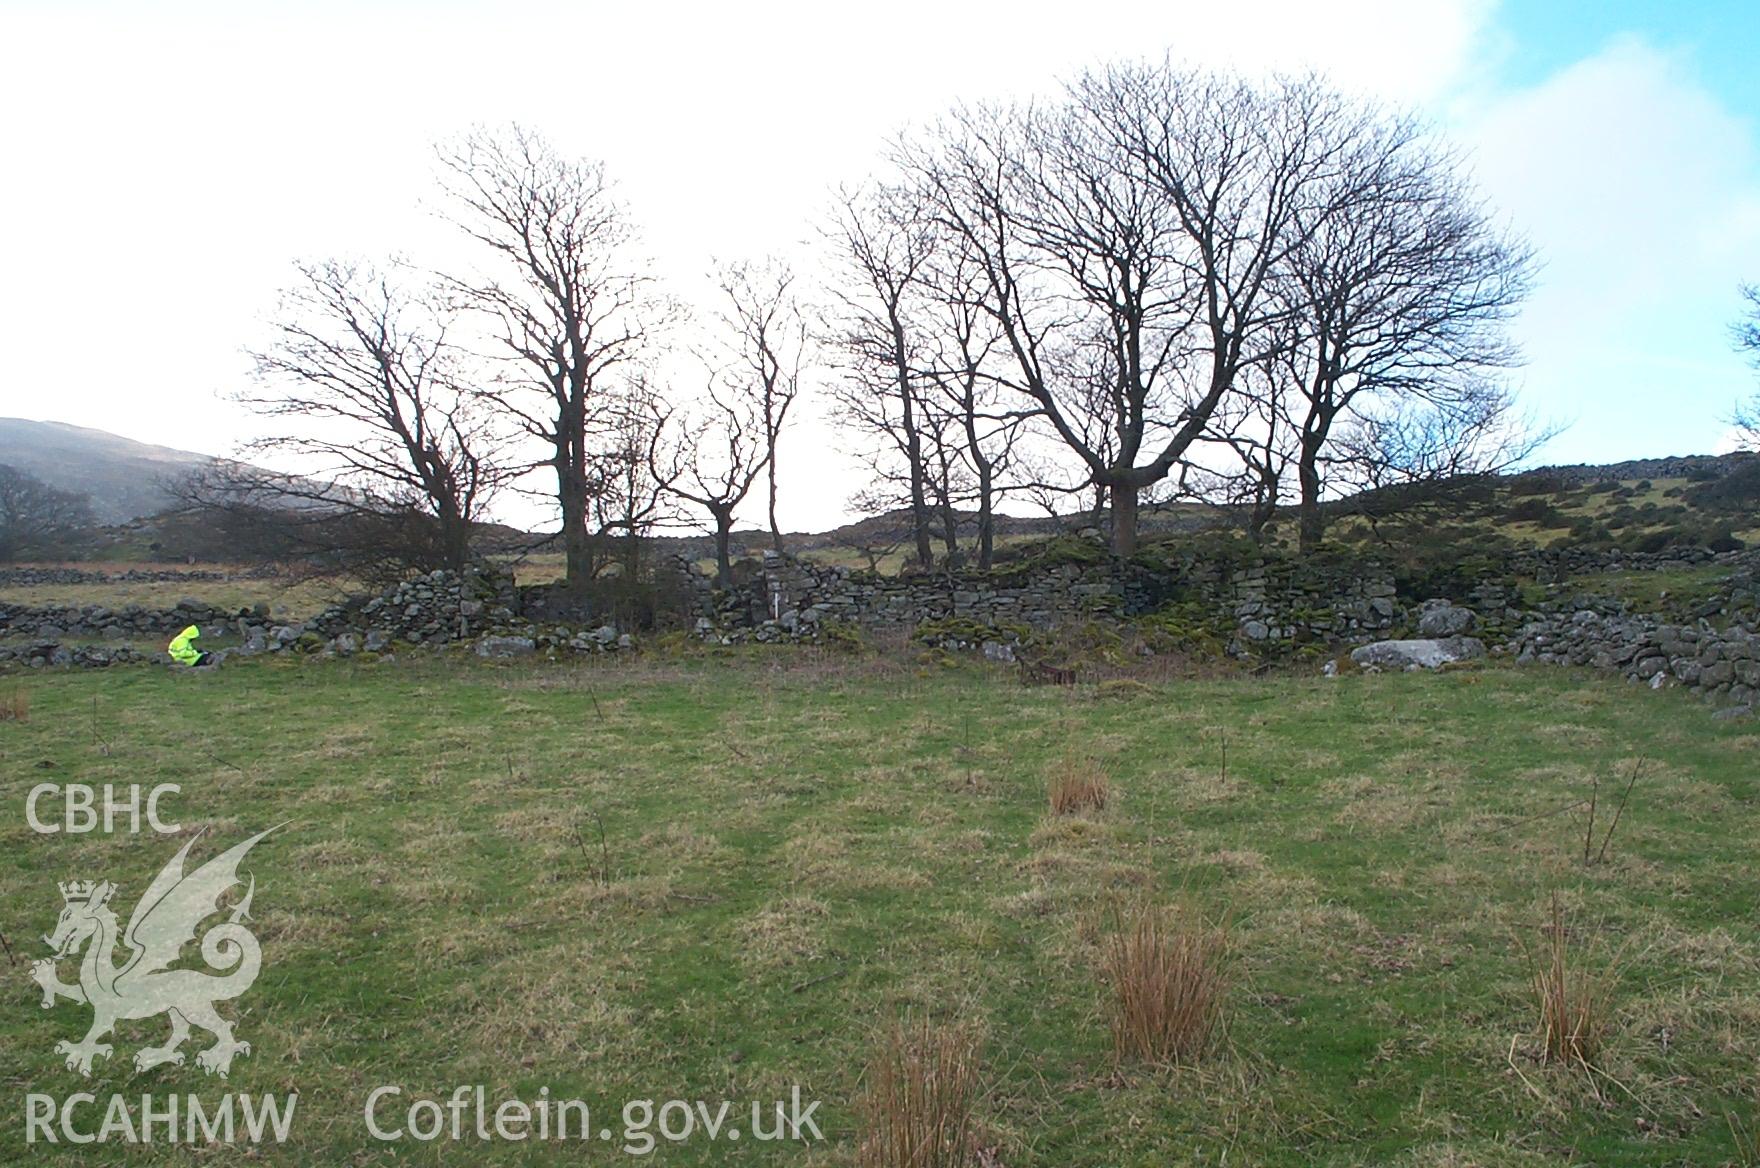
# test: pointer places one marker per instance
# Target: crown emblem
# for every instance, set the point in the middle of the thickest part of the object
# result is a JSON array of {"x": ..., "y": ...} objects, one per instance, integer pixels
[{"x": 77, "y": 890}]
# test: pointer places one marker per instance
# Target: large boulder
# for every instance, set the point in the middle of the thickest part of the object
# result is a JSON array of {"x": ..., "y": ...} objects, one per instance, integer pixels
[
  {"x": 1429, "y": 653},
  {"x": 1444, "y": 618}
]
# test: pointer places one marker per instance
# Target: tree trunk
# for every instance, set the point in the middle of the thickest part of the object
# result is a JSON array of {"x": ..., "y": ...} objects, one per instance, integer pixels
[
  {"x": 1124, "y": 517},
  {"x": 775, "y": 531},
  {"x": 913, "y": 442},
  {"x": 571, "y": 496},
  {"x": 723, "y": 560},
  {"x": 986, "y": 518},
  {"x": 1311, "y": 525},
  {"x": 950, "y": 531},
  {"x": 1263, "y": 510},
  {"x": 455, "y": 538}
]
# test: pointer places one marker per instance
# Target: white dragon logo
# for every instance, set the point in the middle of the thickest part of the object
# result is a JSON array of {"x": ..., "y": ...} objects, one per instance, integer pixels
[{"x": 165, "y": 920}]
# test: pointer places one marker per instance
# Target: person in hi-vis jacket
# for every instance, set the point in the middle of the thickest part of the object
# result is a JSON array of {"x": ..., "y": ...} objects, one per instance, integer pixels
[{"x": 183, "y": 648}]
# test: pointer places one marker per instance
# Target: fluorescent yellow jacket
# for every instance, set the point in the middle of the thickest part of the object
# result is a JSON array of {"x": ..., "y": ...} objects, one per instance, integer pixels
[{"x": 182, "y": 647}]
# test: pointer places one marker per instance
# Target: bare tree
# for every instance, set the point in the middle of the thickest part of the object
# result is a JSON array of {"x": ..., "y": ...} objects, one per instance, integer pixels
[
  {"x": 1422, "y": 451},
  {"x": 35, "y": 518},
  {"x": 973, "y": 434},
  {"x": 363, "y": 387},
  {"x": 1746, "y": 333},
  {"x": 1258, "y": 429},
  {"x": 1126, "y": 237},
  {"x": 710, "y": 454},
  {"x": 626, "y": 502},
  {"x": 564, "y": 302},
  {"x": 1398, "y": 286},
  {"x": 872, "y": 537},
  {"x": 769, "y": 346},
  {"x": 881, "y": 242},
  {"x": 236, "y": 511}
]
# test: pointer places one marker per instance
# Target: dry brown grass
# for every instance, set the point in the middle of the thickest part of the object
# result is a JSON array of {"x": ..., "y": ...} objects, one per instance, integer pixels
[
  {"x": 918, "y": 1094},
  {"x": 1078, "y": 784},
  {"x": 15, "y": 705},
  {"x": 1574, "y": 1001},
  {"x": 1167, "y": 968}
]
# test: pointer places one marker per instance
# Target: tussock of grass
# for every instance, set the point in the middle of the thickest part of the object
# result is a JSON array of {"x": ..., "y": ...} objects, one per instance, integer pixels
[
  {"x": 919, "y": 1091},
  {"x": 15, "y": 705},
  {"x": 1574, "y": 1002},
  {"x": 1166, "y": 968},
  {"x": 1078, "y": 784}
]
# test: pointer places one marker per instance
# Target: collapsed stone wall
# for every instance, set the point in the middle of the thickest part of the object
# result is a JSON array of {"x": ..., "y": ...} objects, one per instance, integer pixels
[
  {"x": 436, "y": 609},
  {"x": 1262, "y": 603},
  {"x": 30, "y": 576},
  {"x": 1554, "y": 564},
  {"x": 130, "y": 621},
  {"x": 1723, "y": 664}
]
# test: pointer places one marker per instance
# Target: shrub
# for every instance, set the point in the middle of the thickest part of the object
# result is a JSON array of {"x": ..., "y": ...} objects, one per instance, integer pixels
[
  {"x": 1084, "y": 643},
  {"x": 1532, "y": 510},
  {"x": 917, "y": 1097},
  {"x": 1078, "y": 784},
  {"x": 1653, "y": 541},
  {"x": 842, "y": 635},
  {"x": 1723, "y": 540},
  {"x": 1169, "y": 980},
  {"x": 1535, "y": 484}
]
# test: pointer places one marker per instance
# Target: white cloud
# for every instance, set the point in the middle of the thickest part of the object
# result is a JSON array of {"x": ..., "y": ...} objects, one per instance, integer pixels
[{"x": 1642, "y": 193}]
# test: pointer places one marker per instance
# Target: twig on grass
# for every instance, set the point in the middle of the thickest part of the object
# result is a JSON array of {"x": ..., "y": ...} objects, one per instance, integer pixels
[
  {"x": 604, "y": 849},
  {"x": 799, "y": 987},
  {"x": 97, "y": 735},
  {"x": 1620, "y": 810},
  {"x": 1589, "y": 831},
  {"x": 1510, "y": 1058},
  {"x": 7, "y": 945},
  {"x": 216, "y": 758}
]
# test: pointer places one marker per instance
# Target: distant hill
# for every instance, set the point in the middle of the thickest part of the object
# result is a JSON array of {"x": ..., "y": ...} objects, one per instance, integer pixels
[{"x": 122, "y": 476}]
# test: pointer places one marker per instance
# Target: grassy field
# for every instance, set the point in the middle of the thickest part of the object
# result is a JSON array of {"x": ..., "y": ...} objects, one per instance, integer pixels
[
  {"x": 287, "y": 596},
  {"x": 798, "y": 850}
]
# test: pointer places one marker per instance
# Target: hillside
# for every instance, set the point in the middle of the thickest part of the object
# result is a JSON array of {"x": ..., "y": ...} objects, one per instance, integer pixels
[{"x": 123, "y": 477}]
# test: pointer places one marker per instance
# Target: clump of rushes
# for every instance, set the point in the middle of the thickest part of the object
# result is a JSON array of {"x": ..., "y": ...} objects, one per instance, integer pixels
[
  {"x": 919, "y": 1091},
  {"x": 1574, "y": 1002},
  {"x": 1167, "y": 969},
  {"x": 1076, "y": 784}
]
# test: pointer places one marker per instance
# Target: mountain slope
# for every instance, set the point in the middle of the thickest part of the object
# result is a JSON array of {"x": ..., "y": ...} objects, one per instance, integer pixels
[{"x": 124, "y": 478}]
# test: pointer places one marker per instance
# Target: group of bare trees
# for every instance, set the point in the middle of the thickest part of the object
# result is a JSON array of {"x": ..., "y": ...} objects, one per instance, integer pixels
[
  {"x": 1168, "y": 277},
  {"x": 415, "y": 396},
  {"x": 1160, "y": 284}
]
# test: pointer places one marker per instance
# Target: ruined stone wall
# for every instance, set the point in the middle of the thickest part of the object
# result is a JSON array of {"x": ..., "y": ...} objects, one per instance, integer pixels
[{"x": 1260, "y": 603}]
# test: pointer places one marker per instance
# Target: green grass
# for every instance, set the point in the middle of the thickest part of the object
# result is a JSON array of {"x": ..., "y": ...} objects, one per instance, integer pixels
[
  {"x": 803, "y": 848},
  {"x": 1672, "y": 591}
]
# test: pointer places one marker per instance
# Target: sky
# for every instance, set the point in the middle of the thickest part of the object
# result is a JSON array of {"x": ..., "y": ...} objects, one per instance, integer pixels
[{"x": 163, "y": 165}]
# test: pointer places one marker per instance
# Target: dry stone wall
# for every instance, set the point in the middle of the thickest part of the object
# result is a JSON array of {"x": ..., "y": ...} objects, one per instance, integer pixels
[{"x": 1262, "y": 604}]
